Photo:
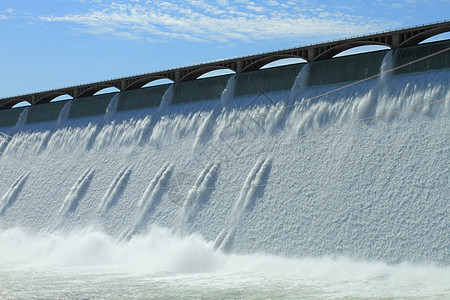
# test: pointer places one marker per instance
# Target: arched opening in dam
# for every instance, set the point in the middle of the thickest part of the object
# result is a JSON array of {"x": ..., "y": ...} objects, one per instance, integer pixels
[
  {"x": 64, "y": 97},
  {"x": 215, "y": 73},
  {"x": 107, "y": 90},
  {"x": 362, "y": 49},
  {"x": 162, "y": 81},
  {"x": 440, "y": 37},
  {"x": 21, "y": 104},
  {"x": 283, "y": 62}
]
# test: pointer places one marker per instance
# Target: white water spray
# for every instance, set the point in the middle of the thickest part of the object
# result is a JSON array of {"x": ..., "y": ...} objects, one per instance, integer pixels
[
  {"x": 12, "y": 194},
  {"x": 7, "y": 140},
  {"x": 228, "y": 92},
  {"x": 253, "y": 189},
  {"x": 22, "y": 121},
  {"x": 207, "y": 125},
  {"x": 77, "y": 192},
  {"x": 111, "y": 109},
  {"x": 64, "y": 114},
  {"x": 200, "y": 192},
  {"x": 115, "y": 189},
  {"x": 166, "y": 100},
  {"x": 256, "y": 180},
  {"x": 149, "y": 201},
  {"x": 300, "y": 84},
  {"x": 108, "y": 117},
  {"x": 386, "y": 69}
]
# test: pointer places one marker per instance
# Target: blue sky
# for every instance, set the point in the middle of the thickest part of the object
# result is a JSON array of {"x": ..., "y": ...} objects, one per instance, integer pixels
[{"x": 48, "y": 44}]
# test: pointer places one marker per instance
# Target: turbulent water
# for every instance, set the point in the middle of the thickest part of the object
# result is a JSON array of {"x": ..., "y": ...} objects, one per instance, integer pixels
[{"x": 325, "y": 192}]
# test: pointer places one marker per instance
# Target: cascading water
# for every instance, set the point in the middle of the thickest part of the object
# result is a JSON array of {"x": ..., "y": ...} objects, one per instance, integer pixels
[
  {"x": 95, "y": 131},
  {"x": 150, "y": 121},
  {"x": 228, "y": 93},
  {"x": 64, "y": 114},
  {"x": 207, "y": 125},
  {"x": 11, "y": 195},
  {"x": 300, "y": 83},
  {"x": 22, "y": 119},
  {"x": 150, "y": 199},
  {"x": 166, "y": 99},
  {"x": 6, "y": 139},
  {"x": 112, "y": 107},
  {"x": 344, "y": 194},
  {"x": 62, "y": 118},
  {"x": 386, "y": 68}
]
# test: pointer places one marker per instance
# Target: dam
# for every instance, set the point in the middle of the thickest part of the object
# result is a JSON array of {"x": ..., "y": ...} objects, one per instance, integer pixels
[{"x": 337, "y": 164}]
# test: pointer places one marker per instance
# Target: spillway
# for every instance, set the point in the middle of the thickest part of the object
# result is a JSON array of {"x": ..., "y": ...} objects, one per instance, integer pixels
[{"x": 353, "y": 169}]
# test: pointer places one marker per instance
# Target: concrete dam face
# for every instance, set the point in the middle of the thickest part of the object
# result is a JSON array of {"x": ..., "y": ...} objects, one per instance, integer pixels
[{"x": 303, "y": 161}]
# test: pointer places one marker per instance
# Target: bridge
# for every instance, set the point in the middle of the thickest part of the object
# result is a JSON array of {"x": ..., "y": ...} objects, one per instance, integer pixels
[{"x": 393, "y": 39}]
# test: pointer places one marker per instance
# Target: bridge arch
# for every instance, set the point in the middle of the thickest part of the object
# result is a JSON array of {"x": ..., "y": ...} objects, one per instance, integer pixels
[
  {"x": 422, "y": 36},
  {"x": 50, "y": 97},
  {"x": 90, "y": 91},
  {"x": 202, "y": 70},
  {"x": 139, "y": 83},
  {"x": 268, "y": 59},
  {"x": 330, "y": 53}
]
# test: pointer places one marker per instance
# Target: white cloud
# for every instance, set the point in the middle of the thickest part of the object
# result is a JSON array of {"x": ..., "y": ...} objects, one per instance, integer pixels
[
  {"x": 256, "y": 8},
  {"x": 199, "y": 20},
  {"x": 7, "y": 14},
  {"x": 396, "y": 5}
]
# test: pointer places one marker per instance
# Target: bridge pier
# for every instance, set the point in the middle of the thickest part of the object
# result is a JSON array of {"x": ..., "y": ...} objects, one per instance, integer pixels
[{"x": 395, "y": 40}]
